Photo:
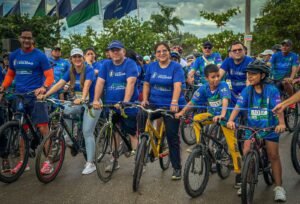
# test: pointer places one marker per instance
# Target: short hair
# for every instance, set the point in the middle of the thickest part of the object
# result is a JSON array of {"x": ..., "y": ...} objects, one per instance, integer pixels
[
  {"x": 89, "y": 49},
  {"x": 26, "y": 29},
  {"x": 162, "y": 43},
  {"x": 238, "y": 43},
  {"x": 210, "y": 69}
]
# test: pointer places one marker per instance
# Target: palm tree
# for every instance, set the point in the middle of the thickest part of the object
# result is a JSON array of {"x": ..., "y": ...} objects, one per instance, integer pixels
[{"x": 162, "y": 23}]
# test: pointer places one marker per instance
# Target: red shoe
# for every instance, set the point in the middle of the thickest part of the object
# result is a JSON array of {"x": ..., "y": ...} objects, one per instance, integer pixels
[
  {"x": 47, "y": 168},
  {"x": 292, "y": 106},
  {"x": 18, "y": 167}
]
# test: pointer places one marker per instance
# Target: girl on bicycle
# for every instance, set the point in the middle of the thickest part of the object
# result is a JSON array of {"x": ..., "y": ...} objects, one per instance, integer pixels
[
  {"x": 82, "y": 82},
  {"x": 259, "y": 98}
]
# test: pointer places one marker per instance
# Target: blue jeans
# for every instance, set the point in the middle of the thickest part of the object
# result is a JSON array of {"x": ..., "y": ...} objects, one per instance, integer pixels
[{"x": 90, "y": 119}]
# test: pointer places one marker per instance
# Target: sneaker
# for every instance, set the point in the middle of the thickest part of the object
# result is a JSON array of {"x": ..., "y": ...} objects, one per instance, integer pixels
[
  {"x": 189, "y": 150},
  {"x": 239, "y": 192},
  {"x": 109, "y": 168},
  {"x": 18, "y": 167},
  {"x": 5, "y": 166},
  {"x": 133, "y": 153},
  {"x": 47, "y": 168},
  {"x": 89, "y": 168},
  {"x": 279, "y": 194},
  {"x": 238, "y": 181},
  {"x": 176, "y": 174}
]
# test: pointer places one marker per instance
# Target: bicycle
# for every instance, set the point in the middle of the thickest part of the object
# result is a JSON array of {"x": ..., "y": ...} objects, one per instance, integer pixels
[
  {"x": 109, "y": 147},
  {"x": 295, "y": 150},
  {"x": 199, "y": 161},
  {"x": 152, "y": 144},
  {"x": 52, "y": 148},
  {"x": 18, "y": 133},
  {"x": 256, "y": 162}
]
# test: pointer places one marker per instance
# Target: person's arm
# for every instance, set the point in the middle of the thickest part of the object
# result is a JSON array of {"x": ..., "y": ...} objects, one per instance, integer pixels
[
  {"x": 56, "y": 87},
  {"x": 85, "y": 90},
  {"x": 234, "y": 114},
  {"x": 279, "y": 108},
  {"x": 176, "y": 92},
  {"x": 129, "y": 90},
  {"x": 9, "y": 77},
  {"x": 222, "y": 73},
  {"x": 184, "y": 110},
  {"x": 146, "y": 92},
  {"x": 98, "y": 89},
  {"x": 225, "y": 103}
]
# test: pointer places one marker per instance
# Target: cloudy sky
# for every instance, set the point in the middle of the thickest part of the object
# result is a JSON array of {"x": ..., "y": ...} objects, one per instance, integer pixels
[{"x": 187, "y": 10}]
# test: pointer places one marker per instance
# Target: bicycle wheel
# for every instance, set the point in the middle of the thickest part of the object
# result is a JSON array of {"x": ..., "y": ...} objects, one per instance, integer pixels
[
  {"x": 51, "y": 151},
  {"x": 249, "y": 177},
  {"x": 295, "y": 151},
  {"x": 14, "y": 148},
  {"x": 164, "y": 158},
  {"x": 266, "y": 168},
  {"x": 139, "y": 162},
  {"x": 187, "y": 130},
  {"x": 291, "y": 117},
  {"x": 105, "y": 153},
  {"x": 196, "y": 172}
]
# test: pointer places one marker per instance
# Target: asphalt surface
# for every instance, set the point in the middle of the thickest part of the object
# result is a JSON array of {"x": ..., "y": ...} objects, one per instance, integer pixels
[{"x": 156, "y": 186}]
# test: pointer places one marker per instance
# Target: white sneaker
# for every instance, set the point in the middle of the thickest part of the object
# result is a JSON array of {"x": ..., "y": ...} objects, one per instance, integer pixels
[
  {"x": 89, "y": 168},
  {"x": 189, "y": 150},
  {"x": 239, "y": 192},
  {"x": 279, "y": 194}
]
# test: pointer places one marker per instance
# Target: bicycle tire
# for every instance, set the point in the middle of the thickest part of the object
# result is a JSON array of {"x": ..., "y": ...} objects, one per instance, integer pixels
[
  {"x": 56, "y": 142},
  {"x": 139, "y": 162},
  {"x": 190, "y": 168},
  {"x": 187, "y": 130},
  {"x": 105, "y": 146},
  {"x": 14, "y": 131},
  {"x": 295, "y": 151},
  {"x": 291, "y": 123},
  {"x": 249, "y": 176},
  {"x": 164, "y": 158},
  {"x": 266, "y": 168}
]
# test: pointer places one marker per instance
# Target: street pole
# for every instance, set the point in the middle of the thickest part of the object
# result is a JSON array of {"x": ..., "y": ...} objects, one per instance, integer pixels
[
  {"x": 57, "y": 16},
  {"x": 247, "y": 25}
]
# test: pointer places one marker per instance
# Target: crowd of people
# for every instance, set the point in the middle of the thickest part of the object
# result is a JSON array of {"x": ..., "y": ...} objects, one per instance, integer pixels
[{"x": 159, "y": 81}]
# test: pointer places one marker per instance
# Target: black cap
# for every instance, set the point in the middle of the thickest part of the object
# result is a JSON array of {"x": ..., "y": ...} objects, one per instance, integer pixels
[
  {"x": 287, "y": 41},
  {"x": 56, "y": 48},
  {"x": 207, "y": 43},
  {"x": 276, "y": 47}
]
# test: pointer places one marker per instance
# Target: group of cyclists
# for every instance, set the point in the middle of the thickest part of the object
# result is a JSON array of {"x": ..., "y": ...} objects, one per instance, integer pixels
[{"x": 239, "y": 86}]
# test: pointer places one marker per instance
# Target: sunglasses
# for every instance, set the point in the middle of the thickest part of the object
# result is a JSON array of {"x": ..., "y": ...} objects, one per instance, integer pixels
[
  {"x": 207, "y": 48},
  {"x": 237, "y": 50}
]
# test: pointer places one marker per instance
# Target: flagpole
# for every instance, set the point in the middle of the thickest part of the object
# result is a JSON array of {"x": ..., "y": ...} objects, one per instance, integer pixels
[
  {"x": 57, "y": 16},
  {"x": 100, "y": 9},
  {"x": 138, "y": 9}
]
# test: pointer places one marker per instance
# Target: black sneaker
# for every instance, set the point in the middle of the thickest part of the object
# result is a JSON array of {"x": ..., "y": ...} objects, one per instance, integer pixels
[
  {"x": 74, "y": 151},
  {"x": 176, "y": 174},
  {"x": 238, "y": 181},
  {"x": 5, "y": 166}
]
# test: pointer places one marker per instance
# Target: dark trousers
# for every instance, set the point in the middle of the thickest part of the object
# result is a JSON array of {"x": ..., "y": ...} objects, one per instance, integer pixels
[{"x": 172, "y": 127}]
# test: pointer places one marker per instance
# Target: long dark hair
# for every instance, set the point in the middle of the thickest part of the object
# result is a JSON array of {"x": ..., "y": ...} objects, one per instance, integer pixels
[{"x": 73, "y": 77}]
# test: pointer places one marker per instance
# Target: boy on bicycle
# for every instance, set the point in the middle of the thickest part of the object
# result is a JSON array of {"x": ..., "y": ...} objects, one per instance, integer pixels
[
  {"x": 216, "y": 95},
  {"x": 259, "y": 98}
]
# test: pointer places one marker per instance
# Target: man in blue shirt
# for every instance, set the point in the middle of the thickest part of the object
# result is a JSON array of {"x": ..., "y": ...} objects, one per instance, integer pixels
[
  {"x": 235, "y": 67},
  {"x": 284, "y": 66},
  {"x": 60, "y": 67},
  {"x": 117, "y": 81},
  {"x": 207, "y": 58}
]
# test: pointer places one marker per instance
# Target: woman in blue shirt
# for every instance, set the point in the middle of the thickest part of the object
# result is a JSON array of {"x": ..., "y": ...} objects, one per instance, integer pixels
[
  {"x": 162, "y": 88},
  {"x": 82, "y": 83}
]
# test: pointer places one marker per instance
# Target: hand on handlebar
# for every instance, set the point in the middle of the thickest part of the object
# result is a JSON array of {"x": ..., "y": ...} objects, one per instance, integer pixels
[
  {"x": 179, "y": 115},
  {"x": 41, "y": 97},
  {"x": 231, "y": 125},
  {"x": 96, "y": 105},
  {"x": 218, "y": 118},
  {"x": 144, "y": 103},
  {"x": 279, "y": 108}
]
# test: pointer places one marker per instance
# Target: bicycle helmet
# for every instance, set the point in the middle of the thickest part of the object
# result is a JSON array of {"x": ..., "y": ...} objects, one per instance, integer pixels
[
  {"x": 258, "y": 66},
  {"x": 175, "y": 54}
]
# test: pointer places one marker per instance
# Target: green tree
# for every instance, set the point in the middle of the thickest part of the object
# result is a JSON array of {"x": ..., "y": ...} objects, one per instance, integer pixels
[
  {"x": 164, "y": 22},
  {"x": 45, "y": 29},
  {"x": 220, "y": 18},
  {"x": 279, "y": 20}
]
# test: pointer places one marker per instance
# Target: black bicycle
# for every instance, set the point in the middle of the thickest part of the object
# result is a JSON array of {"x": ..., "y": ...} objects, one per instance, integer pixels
[
  {"x": 199, "y": 162},
  {"x": 295, "y": 150},
  {"x": 111, "y": 143},
  {"x": 256, "y": 162},
  {"x": 21, "y": 138},
  {"x": 52, "y": 148}
]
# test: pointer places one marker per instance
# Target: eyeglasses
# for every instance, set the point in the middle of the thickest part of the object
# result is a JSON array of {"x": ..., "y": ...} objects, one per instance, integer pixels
[
  {"x": 237, "y": 50},
  {"x": 76, "y": 56},
  {"x": 207, "y": 48},
  {"x": 26, "y": 38},
  {"x": 161, "y": 51}
]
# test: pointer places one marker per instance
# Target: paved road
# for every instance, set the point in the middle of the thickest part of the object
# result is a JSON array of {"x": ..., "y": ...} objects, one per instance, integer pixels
[{"x": 156, "y": 186}]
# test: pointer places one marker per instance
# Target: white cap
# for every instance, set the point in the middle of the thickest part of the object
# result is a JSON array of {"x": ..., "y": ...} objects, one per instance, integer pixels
[
  {"x": 267, "y": 52},
  {"x": 76, "y": 51}
]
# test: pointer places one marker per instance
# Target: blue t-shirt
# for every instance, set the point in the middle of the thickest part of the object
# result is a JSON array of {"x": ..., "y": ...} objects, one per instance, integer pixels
[
  {"x": 89, "y": 75},
  {"x": 204, "y": 96},
  {"x": 115, "y": 77},
  {"x": 282, "y": 65},
  {"x": 260, "y": 105},
  {"x": 237, "y": 74},
  {"x": 162, "y": 83},
  {"x": 199, "y": 65},
  {"x": 98, "y": 65},
  {"x": 60, "y": 67},
  {"x": 29, "y": 68}
]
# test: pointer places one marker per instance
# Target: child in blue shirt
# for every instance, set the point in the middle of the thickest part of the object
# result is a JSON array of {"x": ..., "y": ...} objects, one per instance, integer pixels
[{"x": 260, "y": 97}]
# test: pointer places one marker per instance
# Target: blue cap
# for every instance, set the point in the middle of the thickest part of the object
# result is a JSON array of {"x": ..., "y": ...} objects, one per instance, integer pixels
[{"x": 115, "y": 44}]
